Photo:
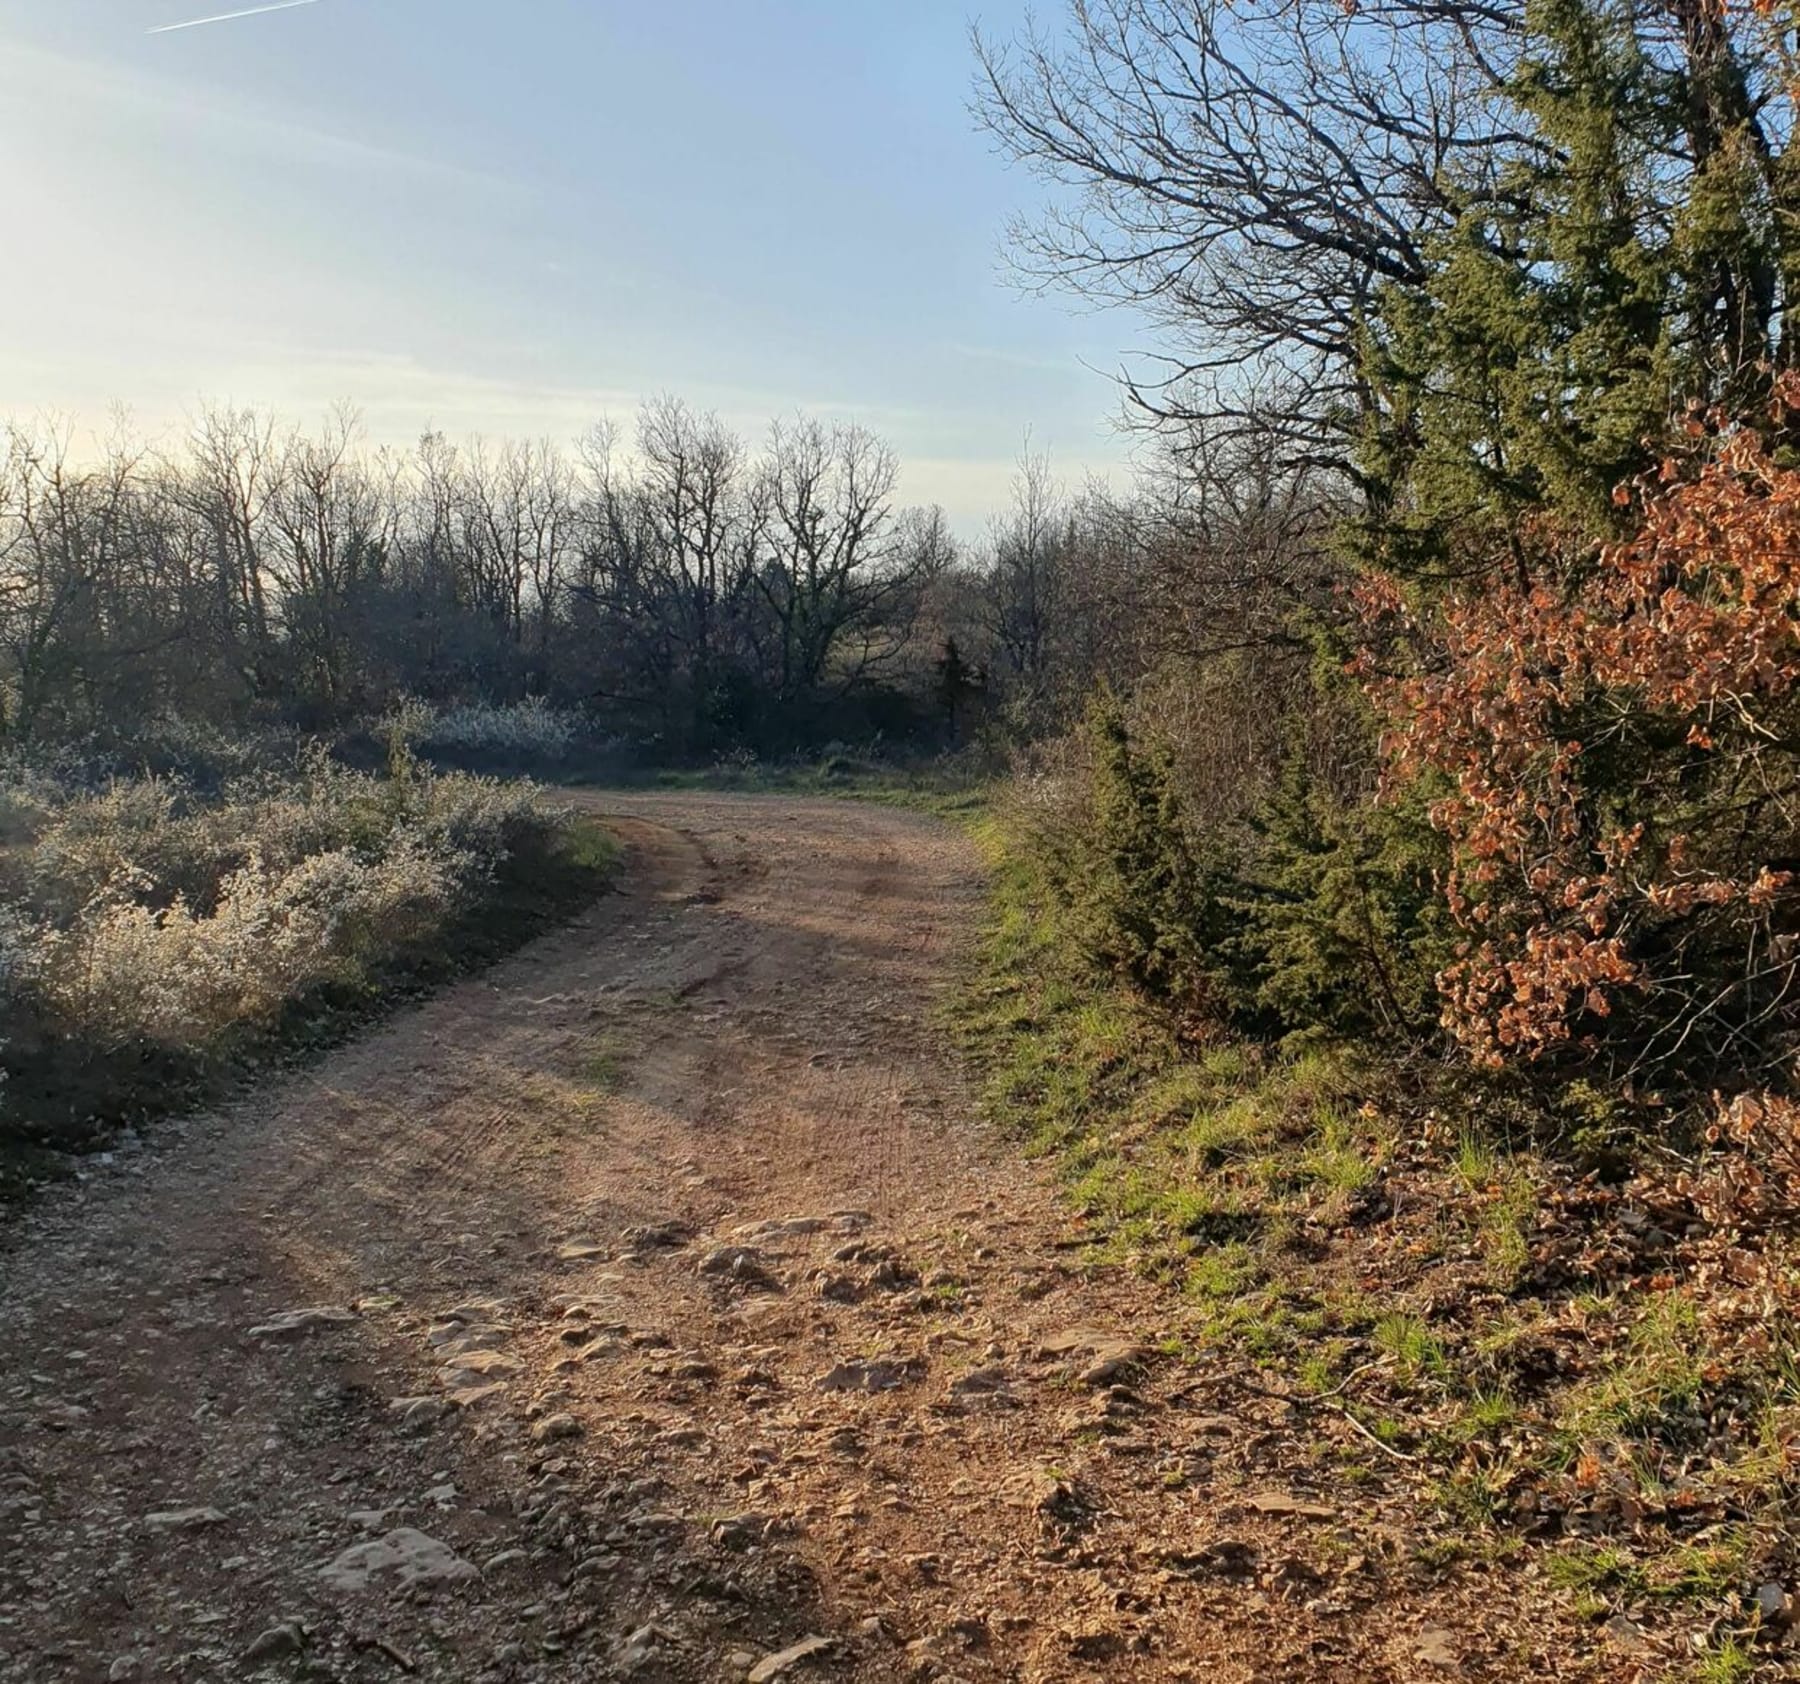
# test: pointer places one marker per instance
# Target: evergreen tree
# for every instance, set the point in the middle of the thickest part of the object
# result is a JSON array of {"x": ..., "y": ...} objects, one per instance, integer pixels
[
  {"x": 1533, "y": 371},
  {"x": 1343, "y": 926},
  {"x": 1151, "y": 908},
  {"x": 1625, "y": 261},
  {"x": 957, "y": 684}
]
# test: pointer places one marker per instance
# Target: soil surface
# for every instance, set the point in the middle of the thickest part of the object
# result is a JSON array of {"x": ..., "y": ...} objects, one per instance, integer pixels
[{"x": 655, "y": 1306}]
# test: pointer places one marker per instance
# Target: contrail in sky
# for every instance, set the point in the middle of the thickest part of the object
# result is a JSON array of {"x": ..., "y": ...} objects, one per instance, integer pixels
[{"x": 226, "y": 17}]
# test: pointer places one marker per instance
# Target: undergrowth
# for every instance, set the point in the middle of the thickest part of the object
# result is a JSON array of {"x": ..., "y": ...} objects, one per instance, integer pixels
[
  {"x": 159, "y": 942},
  {"x": 1535, "y": 1332}
]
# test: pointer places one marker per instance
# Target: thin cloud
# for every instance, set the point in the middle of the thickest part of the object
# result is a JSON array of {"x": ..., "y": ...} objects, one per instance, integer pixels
[{"x": 227, "y": 17}]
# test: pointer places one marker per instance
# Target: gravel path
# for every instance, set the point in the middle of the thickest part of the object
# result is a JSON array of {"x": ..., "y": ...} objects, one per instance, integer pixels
[{"x": 653, "y": 1307}]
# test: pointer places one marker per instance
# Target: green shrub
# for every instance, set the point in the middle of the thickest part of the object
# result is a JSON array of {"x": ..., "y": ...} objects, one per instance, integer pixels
[
  {"x": 1317, "y": 915},
  {"x": 1344, "y": 926},
  {"x": 1148, "y": 905}
]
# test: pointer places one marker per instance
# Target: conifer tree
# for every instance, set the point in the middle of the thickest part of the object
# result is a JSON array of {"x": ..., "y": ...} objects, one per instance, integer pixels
[{"x": 1535, "y": 368}]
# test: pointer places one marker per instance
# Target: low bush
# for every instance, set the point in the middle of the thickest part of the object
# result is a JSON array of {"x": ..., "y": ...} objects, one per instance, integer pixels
[
  {"x": 152, "y": 936},
  {"x": 1310, "y": 915},
  {"x": 527, "y": 731}
]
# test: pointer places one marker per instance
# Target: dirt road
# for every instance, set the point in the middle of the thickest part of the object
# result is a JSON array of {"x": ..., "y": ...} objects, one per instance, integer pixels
[{"x": 644, "y": 1308}]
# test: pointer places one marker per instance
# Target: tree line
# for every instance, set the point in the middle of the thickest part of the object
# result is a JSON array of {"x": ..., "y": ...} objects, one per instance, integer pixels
[
  {"x": 262, "y": 571},
  {"x": 691, "y": 593}
]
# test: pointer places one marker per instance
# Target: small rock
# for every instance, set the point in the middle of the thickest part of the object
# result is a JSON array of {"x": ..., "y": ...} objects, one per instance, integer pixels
[
  {"x": 298, "y": 1324},
  {"x": 659, "y": 1236},
  {"x": 581, "y": 1251},
  {"x": 1627, "y": 1634},
  {"x": 455, "y": 1339},
  {"x": 477, "y": 1312},
  {"x": 1103, "y": 1357},
  {"x": 980, "y": 1380},
  {"x": 971, "y": 1631},
  {"x": 419, "y": 1413},
  {"x": 1774, "y": 1604},
  {"x": 1282, "y": 1503},
  {"x": 639, "y": 1649},
  {"x": 1437, "y": 1648},
  {"x": 123, "y": 1667},
  {"x": 279, "y": 1641},
  {"x": 738, "y": 1263},
  {"x": 475, "y": 1369},
  {"x": 889, "y": 1276},
  {"x": 472, "y": 1397},
  {"x": 863, "y": 1377},
  {"x": 776, "y": 1665},
  {"x": 740, "y": 1531},
  {"x": 558, "y": 1426},
  {"x": 184, "y": 1520},
  {"x": 408, "y": 1556}
]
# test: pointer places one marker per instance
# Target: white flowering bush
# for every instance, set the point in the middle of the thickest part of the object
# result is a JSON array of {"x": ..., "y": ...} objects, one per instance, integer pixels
[
  {"x": 135, "y": 972},
  {"x": 527, "y": 730},
  {"x": 146, "y": 922}
]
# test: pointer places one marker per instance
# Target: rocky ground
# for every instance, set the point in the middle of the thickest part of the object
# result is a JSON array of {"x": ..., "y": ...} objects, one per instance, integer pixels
[{"x": 655, "y": 1307}]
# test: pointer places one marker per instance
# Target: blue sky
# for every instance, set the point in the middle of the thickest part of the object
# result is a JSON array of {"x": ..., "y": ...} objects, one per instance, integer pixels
[{"x": 520, "y": 215}]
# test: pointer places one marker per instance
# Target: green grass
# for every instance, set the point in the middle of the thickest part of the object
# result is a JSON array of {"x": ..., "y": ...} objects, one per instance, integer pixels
[
  {"x": 1728, "y": 1662},
  {"x": 947, "y": 793},
  {"x": 602, "y": 1067}
]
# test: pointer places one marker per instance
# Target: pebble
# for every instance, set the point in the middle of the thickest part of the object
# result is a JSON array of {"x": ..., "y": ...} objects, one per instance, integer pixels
[
  {"x": 1437, "y": 1648},
  {"x": 1282, "y": 1503},
  {"x": 287, "y": 1638},
  {"x": 785, "y": 1660},
  {"x": 410, "y": 1557},
  {"x": 863, "y": 1377},
  {"x": 184, "y": 1520},
  {"x": 298, "y": 1324}
]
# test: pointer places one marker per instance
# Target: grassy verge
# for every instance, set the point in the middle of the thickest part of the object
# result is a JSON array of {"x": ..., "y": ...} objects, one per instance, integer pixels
[
  {"x": 1535, "y": 1340},
  {"x": 64, "y": 1097}
]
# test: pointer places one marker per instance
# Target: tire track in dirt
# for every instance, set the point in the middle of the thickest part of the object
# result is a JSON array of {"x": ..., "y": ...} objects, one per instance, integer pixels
[{"x": 689, "y": 1309}]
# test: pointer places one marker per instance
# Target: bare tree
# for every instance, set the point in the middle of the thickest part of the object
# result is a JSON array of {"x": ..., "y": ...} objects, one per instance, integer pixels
[
  {"x": 832, "y": 565},
  {"x": 1249, "y": 179}
]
